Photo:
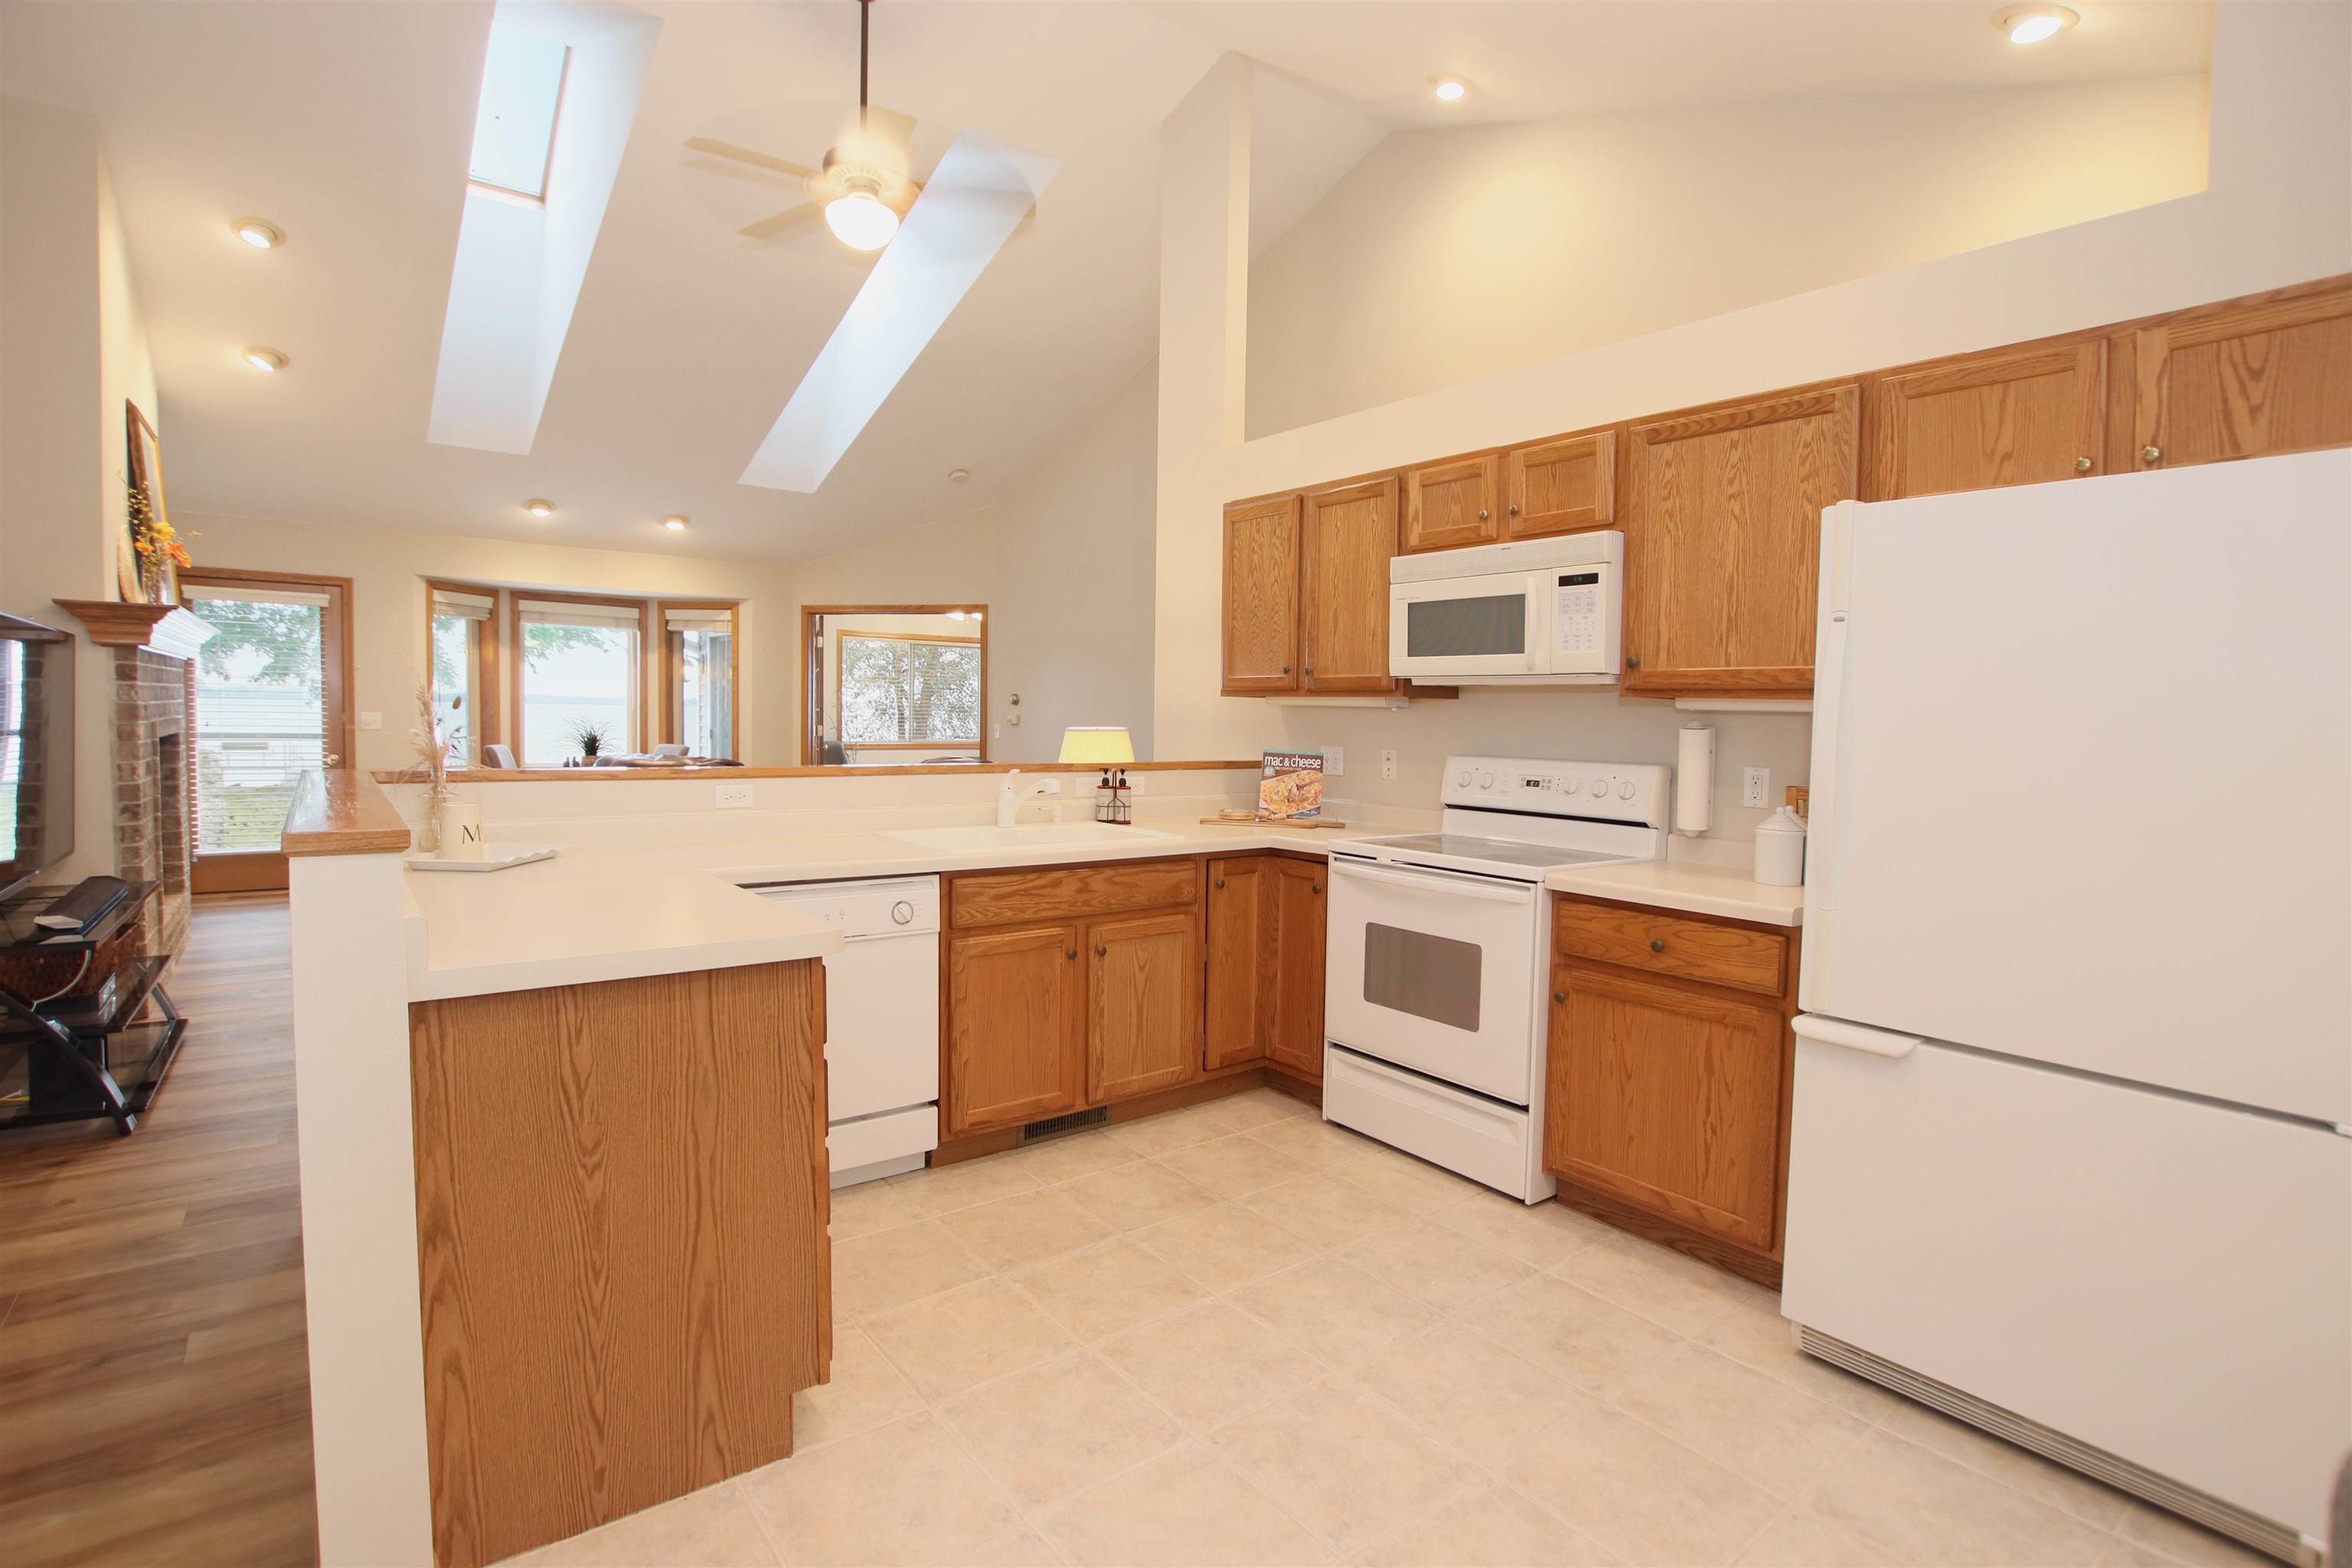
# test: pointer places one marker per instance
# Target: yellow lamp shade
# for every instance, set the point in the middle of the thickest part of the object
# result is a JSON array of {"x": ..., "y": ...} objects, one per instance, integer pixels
[{"x": 1098, "y": 745}]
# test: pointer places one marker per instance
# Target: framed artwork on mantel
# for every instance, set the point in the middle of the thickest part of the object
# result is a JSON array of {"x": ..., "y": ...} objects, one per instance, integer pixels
[{"x": 147, "y": 555}]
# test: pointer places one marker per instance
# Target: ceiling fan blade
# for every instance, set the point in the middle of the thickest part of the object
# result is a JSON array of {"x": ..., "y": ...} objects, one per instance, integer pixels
[
  {"x": 783, "y": 222},
  {"x": 719, "y": 149}
]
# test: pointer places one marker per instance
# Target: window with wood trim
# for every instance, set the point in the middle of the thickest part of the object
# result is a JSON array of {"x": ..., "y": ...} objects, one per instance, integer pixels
[
  {"x": 579, "y": 677},
  {"x": 701, "y": 655},
  {"x": 462, "y": 634},
  {"x": 898, "y": 690}
]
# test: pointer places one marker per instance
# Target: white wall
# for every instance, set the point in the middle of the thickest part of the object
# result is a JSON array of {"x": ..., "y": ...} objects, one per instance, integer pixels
[
  {"x": 1064, "y": 565},
  {"x": 2278, "y": 211},
  {"x": 1448, "y": 254},
  {"x": 72, "y": 349},
  {"x": 388, "y": 568}
]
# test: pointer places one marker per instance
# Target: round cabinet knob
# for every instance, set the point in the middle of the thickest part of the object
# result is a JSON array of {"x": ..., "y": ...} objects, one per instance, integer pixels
[
  {"x": 1657, "y": 944},
  {"x": 1311, "y": 670},
  {"x": 2082, "y": 465},
  {"x": 1513, "y": 509},
  {"x": 1314, "y": 887},
  {"x": 902, "y": 913},
  {"x": 1286, "y": 669},
  {"x": 1485, "y": 781},
  {"x": 1221, "y": 881},
  {"x": 1632, "y": 662},
  {"x": 1462, "y": 779},
  {"x": 1560, "y": 996},
  {"x": 1102, "y": 952},
  {"x": 1071, "y": 954},
  {"x": 2151, "y": 453},
  {"x": 1481, "y": 514},
  {"x": 1625, "y": 790}
]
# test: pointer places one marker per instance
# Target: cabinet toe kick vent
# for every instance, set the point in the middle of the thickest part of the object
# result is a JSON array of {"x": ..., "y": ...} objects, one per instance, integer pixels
[
  {"x": 1056, "y": 1126},
  {"x": 2265, "y": 1535}
]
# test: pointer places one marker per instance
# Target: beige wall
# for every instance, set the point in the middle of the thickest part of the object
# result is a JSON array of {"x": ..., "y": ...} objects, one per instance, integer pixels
[
  {"x": 388, "y": 569},
  {"x": 1449, "y": 254},
  {"x": 72, "y": 349},
  {"x": 1064, "y": 565},
  {"x": 2278, "y": 210}
]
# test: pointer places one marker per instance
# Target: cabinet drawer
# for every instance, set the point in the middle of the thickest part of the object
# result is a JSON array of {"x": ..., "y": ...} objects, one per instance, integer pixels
[
  {"x": 1006, "y": 898},
  {"x": 1667, "y": 944}
]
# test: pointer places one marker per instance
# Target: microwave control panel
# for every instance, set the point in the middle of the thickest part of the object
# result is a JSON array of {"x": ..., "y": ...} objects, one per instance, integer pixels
[{"x": 1576, "y": 612}]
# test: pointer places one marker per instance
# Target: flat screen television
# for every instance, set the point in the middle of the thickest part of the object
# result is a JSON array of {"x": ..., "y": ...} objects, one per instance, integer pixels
[{"x": 36, "y": 716}]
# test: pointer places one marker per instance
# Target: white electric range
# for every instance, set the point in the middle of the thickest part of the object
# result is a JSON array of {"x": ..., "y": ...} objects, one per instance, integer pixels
[{"x": 1436, "y": 971}]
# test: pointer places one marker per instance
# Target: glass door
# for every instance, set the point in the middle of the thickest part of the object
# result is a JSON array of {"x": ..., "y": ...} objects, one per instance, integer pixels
[{"x": 270, "y": 703}]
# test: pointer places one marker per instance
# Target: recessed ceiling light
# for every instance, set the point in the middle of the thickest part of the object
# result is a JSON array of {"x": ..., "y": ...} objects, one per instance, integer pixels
[
  {"x": 1448, "y": 87},
  {"x": 260, "y": 358},
  {"x": 2031, "y": 23},
  {"x": 674, "y": 523},
  {"x": 860, "y": 220},
  {"x": 957, "y": 476},
  {"x": 259, "y": 233},
  {"x": 538, "y": 507}
]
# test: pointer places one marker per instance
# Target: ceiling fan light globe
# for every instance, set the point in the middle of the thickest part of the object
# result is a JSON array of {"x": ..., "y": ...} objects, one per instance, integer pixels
[{"x": 860, "y": 222}]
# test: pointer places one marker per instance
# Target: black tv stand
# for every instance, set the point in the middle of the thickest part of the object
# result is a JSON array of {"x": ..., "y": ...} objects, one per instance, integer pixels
[{"x": 79, "y": 1070}]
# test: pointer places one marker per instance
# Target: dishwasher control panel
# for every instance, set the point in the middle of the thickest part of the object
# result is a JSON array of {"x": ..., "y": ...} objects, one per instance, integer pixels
[{"x": 895, "y": 906}]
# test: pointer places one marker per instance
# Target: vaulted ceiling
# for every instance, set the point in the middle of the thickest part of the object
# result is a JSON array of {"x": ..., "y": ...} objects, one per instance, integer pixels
[{"x": 349, "y": 125}]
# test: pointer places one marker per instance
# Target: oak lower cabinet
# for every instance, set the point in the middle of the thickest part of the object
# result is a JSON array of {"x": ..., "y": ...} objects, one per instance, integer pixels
[
  {"x": 1723, "y": 543},
  {"x": 1068, "y": 988},
  {"x": 2246, "y": 379},
  {"x": 1666, "y": 1099},
  {"x": 1264, "y": 976}
]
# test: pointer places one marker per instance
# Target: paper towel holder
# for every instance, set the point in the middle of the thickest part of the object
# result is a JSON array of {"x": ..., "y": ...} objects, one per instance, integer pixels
[{"x": 1694, "y": 779}]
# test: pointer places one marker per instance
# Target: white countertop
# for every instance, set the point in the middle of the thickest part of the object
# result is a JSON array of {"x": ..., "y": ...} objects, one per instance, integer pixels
[
  {"x": 1691, "y": 886},
  {"x": 618, "y": 912}
]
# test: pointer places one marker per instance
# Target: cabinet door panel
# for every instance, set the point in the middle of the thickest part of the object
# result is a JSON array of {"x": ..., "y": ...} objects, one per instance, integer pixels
[
  {"x": 1297, "y": 1035},
  {"x": 1668, "y": 1097},
  {"x": 2022, "y": 417},
  {"x": 1241, "y": 959},
  {"x": 1447, "y": 505},
  {"x": 1016, "y": 1027},
  {"x": 1144, "y": 1005},
  {"x": 1070, "y": 892},
  {"x": 1724, "y": 548},
  {"x": 2243, "y": 381},
  {"x": 1351, "y": 535},
  {"x": 1560, "y": 486},
  {"x": 1261, "y": 607}
]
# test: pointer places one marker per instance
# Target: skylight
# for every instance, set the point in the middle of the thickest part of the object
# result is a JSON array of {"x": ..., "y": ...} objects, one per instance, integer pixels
[{"x": 514, "y": 130}]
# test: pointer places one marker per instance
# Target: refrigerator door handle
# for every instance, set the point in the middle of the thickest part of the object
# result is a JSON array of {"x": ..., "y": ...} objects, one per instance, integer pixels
[{"x": 1854, "y": 1037}]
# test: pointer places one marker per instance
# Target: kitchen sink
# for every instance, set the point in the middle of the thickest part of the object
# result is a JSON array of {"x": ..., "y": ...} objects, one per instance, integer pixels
[{"x": 1026, "y": 835}]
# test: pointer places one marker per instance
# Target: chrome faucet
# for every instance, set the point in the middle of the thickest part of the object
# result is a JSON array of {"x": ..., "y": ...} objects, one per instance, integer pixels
[{"x": 1010, "y": 797}]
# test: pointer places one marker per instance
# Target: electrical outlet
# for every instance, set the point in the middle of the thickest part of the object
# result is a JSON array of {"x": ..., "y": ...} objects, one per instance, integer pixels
[
  {"x": 1388, "y": 762},
  {"x": 1335, "y": 762},
  {"x": 1757, "y": 788},
  {"x": 734, "y": 796},
  {"x": 371, "y": 721}
]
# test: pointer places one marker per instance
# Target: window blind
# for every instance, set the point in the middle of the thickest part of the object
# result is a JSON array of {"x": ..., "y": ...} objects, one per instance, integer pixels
[
  {"x": 699, "y": 620},
  {"x": 464, "y": 606},
  {"x": 553, "y": 613},
  {"x": 315, "y": 597}
]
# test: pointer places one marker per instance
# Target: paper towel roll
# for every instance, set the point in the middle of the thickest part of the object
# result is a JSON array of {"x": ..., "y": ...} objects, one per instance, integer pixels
[{"x": 1695, "y": 780}]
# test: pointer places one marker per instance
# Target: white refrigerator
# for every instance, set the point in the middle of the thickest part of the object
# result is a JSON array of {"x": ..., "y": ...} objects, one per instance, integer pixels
[{"x": 2069, "y": 1153}]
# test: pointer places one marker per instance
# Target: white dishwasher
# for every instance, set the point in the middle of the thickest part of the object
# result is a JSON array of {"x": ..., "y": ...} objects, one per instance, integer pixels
[{"x": 881, "y": 1020}]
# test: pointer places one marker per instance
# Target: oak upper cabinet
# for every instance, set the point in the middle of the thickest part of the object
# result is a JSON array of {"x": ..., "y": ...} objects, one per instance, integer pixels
[
  {"x": 1144, "y": 1005},
  {"x": 1016, "y": 1027},
  {"x": 1261, "y": 603},
  {"x": 1451, "y": 504},
  {"x": 1240, "y": 959},
  {"x": 2019, "y": 417},
  {"x": 1294, "y": 1032},
  {"x": 2245, "y": 380},
  {"x": 1350, "y": 537},
  {"x": 1723, "y": 543},
  {"x": 1561, "y": 487}
]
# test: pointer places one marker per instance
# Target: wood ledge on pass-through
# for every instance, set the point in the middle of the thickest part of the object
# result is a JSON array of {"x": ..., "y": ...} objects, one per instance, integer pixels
[{"x": 342, "y": 811}]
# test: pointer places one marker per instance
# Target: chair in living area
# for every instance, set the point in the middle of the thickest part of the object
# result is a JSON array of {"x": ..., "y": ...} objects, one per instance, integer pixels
[
  {"x": 496, "y": 755},
  {"x": 670, "y": 750}
]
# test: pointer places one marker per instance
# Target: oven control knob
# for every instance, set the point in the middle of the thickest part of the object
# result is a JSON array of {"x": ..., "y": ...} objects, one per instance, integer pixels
[
  {"x": 1462, "y": 779},
  {"x": 1600, "y": 787},
  {"x": 1571, "y": 787},
  {"x": 902, "y": 913},
  {"x": 1485, "y": 781},
  {"x": 1625, "y": 790}
]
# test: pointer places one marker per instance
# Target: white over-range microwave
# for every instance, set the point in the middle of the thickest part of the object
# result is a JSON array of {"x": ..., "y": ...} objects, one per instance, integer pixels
[{"x": 1538, "y": 612}]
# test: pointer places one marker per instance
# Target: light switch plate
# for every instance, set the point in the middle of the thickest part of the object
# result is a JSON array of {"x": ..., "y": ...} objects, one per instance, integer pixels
[
  {"x": 1757, "y": 787},
  {"x": 371, "y": 721},
  {"x": 733, "y": 796},
  {"x": 1388, "y": 762},
  {"x": 1335, "y": 762}
]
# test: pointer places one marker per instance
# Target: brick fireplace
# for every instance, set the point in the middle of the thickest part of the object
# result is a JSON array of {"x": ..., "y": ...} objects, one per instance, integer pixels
[{"x": 153, "y": 677}]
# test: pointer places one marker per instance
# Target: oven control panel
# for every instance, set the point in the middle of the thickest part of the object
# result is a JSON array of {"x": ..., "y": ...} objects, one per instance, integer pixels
[{"x": 1608, "y": 791}]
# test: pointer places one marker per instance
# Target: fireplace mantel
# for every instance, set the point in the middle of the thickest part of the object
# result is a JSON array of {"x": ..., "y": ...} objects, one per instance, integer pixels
[{"x": 166, "y": 629}]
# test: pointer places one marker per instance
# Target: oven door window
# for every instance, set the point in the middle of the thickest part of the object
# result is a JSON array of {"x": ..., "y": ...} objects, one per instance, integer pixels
[
  {"x": 1433, "y": 977},
  {"x": 1495, "y": 624}
]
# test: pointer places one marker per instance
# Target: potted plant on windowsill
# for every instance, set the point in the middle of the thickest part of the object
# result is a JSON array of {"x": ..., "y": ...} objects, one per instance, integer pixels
[{"x": 589, "y": 736}]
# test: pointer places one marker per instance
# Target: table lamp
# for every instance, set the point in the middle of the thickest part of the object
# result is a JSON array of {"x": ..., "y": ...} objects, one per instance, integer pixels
[{"x": 1107, "y": 747}]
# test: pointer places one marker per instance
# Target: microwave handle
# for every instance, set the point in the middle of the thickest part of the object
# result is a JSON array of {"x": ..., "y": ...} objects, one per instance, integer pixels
[{"x": 1532, "y": 640}]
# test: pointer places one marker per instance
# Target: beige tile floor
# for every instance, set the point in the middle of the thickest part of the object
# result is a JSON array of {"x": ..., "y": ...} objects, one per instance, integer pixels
[{"x": 1237, "y": 1334}]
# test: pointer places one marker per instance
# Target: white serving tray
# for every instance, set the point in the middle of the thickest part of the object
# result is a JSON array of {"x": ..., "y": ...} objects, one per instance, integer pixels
[{"x": 495, "y": 857}]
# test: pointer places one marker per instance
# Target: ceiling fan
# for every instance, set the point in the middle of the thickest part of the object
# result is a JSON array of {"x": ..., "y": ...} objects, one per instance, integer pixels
[{"x": 862, "y": 188}]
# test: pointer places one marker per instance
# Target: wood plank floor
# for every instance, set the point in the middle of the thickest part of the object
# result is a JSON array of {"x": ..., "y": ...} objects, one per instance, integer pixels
[{"x": 154, "y": 1389}]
